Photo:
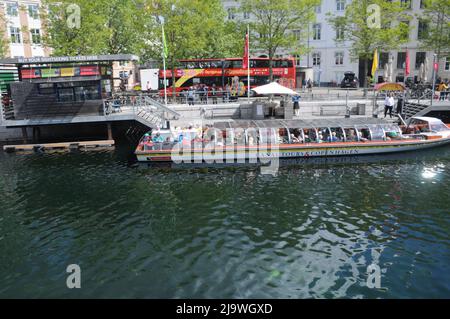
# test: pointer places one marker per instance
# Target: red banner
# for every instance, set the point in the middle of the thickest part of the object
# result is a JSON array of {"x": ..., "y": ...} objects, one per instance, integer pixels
[
  {"x": 246, "y": 52},
  {"x": 408, "y": 64}
]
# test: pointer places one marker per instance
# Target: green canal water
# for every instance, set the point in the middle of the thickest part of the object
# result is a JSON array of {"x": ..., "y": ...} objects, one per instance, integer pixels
[{"x": 140, "y": 232}]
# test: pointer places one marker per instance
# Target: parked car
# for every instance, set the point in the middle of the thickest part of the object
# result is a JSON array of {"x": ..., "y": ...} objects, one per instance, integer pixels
[{"x": 350, "y": 81}]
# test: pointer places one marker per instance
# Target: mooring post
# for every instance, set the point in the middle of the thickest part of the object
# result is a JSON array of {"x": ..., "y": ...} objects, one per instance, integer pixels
[
  {"x": 110, "y": 135},
  {"x": 25, "y": 135}
]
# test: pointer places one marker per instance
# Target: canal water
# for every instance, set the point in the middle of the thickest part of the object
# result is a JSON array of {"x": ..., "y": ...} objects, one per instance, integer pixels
[{"x": 311, "y": 231}]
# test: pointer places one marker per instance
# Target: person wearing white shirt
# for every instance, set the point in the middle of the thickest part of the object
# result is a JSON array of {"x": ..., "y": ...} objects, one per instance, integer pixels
[{"x": 389, "y": 103}]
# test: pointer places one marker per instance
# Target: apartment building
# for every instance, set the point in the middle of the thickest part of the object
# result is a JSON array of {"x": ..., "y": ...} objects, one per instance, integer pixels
[
  {"x": 330, "y": 60},
  {"x": 21, "y": 23}
]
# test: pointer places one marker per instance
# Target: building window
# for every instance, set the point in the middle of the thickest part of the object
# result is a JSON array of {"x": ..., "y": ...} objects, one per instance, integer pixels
[
  {"x": 340, "y": 5},
  {"x": 297, "y": 34},
  {"x": 318, "y": 8},
  {"x": 317, "y": 29},
  {"x": 422, "y": 30},
  {"x": 316, "y": 59},
  {"x": 401, "y": 60},
  {"x": 15, "y": 35},
  {"x": 339, "y": 33},
  {"x": 12, "y": 9},
  {"x": 231, "y": 14},
  {"x": 246, "y": 15},
  {"x": 447, "y": 64},
  {"x": 384, "y": 59},
  {"x": 33, "y": 11},
  {"x": 406, "y": 3},
  {"x": 297, "y": 60},
  {"x": 420, "y": 58},
  {"x": 339, "y": 58},
  {"x": 405, "y": 34},
  {"x": 35, "y": 36}
]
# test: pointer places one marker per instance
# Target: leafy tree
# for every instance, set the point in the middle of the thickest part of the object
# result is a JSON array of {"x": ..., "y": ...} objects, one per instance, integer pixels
[
  {"x": 274, "y": 21},
  {"x": 368, "y": 25},
  {"x": 106, "y": 26},
  {"x": 437, "y": 35},
  {"x": 3, "y": 43},
  {"x": 194, "y": 29}
]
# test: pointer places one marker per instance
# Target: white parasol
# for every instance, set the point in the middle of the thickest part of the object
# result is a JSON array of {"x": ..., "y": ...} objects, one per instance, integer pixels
[{"x": 273, "y": 89}]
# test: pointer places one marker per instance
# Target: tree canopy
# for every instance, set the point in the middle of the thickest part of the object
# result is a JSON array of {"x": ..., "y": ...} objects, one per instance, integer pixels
[
  {"x": 278, "y": 24},
  {"x": 437, "y": 34},
  {"x": 369, "y": 25}
]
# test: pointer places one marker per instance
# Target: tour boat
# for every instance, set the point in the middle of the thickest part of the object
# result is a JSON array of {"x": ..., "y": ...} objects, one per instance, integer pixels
[{"x": 260, "y": 141}]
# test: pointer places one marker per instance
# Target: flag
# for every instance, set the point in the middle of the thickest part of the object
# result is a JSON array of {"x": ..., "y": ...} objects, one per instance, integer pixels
[
  {"x": 246, "y": 52},
  {"x": 165, "y": 49},
  {"x": 375, "y": 63},
  {"x": 407, "y": 64}
]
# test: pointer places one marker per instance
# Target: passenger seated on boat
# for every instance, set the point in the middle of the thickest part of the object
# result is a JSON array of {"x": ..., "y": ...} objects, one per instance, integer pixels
[
  {"x": 251, "y": 141},
  {"x": 333, "y": 138},
  {"x": 320, "y": 139},
  {"x": 392, "y": 136},
  {"x": 295, "y": 139},
  {"x": 351, "y": 136},
  {"x": 157, "y": 138}
]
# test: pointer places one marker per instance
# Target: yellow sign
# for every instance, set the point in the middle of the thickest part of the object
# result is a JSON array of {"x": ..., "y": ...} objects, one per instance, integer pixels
[{"x": 67, "y": 71}]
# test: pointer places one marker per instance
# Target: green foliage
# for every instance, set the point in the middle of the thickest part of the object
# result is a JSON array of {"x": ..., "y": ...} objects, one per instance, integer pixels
[
  {"x": 194, "y": 28},
  {"x": 274, "y": 21},
  {"x": 437, "y": 37},
  {"x": 3, "y": 43},
  {"x": 360, "y": 29},
  {"x": 106, "y": 27}
]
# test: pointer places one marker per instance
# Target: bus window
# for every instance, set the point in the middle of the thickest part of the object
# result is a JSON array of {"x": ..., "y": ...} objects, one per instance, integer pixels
[{"x": 236, "y": 64}]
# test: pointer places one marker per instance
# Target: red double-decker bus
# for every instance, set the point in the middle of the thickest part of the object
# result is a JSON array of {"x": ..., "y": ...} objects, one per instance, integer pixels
[{"x": 223, "y": 72}]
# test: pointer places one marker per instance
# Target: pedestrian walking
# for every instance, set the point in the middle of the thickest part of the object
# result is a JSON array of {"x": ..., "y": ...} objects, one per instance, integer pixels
[
  {"x": 310, "y": 86},
  {"x": 296, "y": 101},
  {"x": 389, "y": 103}
]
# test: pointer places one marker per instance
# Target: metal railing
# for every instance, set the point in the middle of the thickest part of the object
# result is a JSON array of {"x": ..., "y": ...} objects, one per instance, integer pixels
[{"x": 151, "y": 111}]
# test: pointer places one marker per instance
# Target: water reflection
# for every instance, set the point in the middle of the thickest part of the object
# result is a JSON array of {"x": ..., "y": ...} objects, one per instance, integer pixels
[{"x": 310, "y": 231}]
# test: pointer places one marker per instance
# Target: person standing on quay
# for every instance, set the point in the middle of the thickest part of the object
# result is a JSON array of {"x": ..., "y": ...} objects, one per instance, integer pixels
[
  {"x": 214, "y": 93},
  {"x": 190, "y": 96},
  {"x": 296, "y": 101},
  {"x": 389, "y": 103}
]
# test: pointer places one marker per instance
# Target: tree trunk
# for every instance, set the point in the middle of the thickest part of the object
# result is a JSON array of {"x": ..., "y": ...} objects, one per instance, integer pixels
[
  {"x": 271, "y": 67},
  {"x": 366, "y": 70}
]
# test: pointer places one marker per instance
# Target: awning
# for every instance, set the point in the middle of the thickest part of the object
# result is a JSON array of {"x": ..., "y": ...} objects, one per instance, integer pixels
[
  {"x": 390, "y": 87},
  {"x": 273, "y": 88}
]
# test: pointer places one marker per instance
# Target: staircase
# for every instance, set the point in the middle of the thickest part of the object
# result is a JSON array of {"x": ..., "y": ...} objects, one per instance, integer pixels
[
  {"x": 415, "y": 109},
  {"x": 154, "y": 114}
]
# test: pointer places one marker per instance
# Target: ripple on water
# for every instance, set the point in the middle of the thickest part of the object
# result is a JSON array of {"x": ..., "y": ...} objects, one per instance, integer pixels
[{"x": 217, "y": 233}]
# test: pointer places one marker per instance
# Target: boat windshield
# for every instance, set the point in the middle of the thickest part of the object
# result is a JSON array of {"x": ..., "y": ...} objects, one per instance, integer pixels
[{"x": 438, "y": 127}]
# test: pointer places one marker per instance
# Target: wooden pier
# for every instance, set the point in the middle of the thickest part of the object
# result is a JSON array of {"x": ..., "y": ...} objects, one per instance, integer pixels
[{"x": 65, "y": 146}]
